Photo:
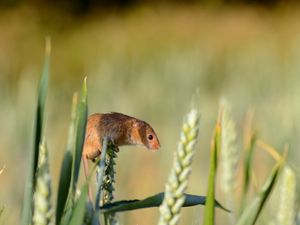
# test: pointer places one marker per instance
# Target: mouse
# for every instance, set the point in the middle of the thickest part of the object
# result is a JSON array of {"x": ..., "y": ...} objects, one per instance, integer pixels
[{"x": 120, "y": 129}]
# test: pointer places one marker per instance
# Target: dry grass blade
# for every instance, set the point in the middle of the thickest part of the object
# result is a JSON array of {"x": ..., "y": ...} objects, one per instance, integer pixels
[
  {"x": 269, "y": 149},
  {"x": 252, "y": 212}
]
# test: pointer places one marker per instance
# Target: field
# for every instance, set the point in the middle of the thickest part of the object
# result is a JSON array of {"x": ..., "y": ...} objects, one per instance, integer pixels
[{"x": 148, "y": 62}]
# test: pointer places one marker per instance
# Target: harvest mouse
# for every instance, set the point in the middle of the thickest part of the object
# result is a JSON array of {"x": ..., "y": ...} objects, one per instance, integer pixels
[{"x": 120, "y": 129}]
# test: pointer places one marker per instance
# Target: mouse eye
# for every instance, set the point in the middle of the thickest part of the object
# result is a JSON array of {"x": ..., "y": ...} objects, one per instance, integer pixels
[{"x": 150, "y": 136}]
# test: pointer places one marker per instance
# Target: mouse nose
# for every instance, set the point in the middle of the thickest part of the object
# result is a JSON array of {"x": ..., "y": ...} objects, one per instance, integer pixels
[{"x": 154, "y": 146}]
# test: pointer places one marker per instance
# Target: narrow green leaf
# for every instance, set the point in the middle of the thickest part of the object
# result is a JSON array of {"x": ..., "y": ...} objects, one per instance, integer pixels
[
  {"x": 64, "y": 185},
  {"x": 154, "y": 201},
  {"x": 66, "y": 169},
  {"x": 65, "y": 219},
  {"x": 209, "y": 212},
  {"x": 81, "y": 119},
  {"x": 43, "y": 86},
  {"x": 247, "y": 171},
  {"x": 79, "y": 208},
  {"x": 252, "y": 212},
  {"x": 34, "y": 154}
]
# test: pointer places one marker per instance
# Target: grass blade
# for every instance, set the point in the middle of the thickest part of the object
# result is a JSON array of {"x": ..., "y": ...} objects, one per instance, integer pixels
[
  {"x": 64, "y": 186},
  {"x": 34, "y": 154},
  {"x": 70, "y": 206},
  {"x": 252, "y": 212},
  {"x": 66, "y": 169},
  {"x": 79, "y": 208},
  {"x": 153, "y": 201},
  {"x": 81, "y": 119},
  {"x": 209, "y": 213}
]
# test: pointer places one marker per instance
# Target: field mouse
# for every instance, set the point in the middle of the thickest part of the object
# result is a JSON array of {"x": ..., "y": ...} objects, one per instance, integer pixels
[{"x": 120, "y": 129}]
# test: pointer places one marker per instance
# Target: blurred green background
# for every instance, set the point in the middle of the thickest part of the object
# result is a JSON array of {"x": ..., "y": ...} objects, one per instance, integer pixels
[{"x": 147, "y": 60}]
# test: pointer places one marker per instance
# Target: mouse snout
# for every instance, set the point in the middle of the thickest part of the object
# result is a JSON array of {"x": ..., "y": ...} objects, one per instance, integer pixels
[{"x": 154, "y": 145}]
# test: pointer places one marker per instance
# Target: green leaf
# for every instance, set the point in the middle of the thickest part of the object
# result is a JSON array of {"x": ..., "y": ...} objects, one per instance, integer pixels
[
  {"x": 79, "y": 208},
  {"x": 252, "y": 212},
  {"x": 64, "y": 185},
  {"x": 153, "y": 201},
  {"x": 81, "y": 119},
  {"x": 34, "y": 154},
  {"x": 209, "y": 212},
  {"x": 66, "y": 169},
  {"x": 65, "y": 219}
]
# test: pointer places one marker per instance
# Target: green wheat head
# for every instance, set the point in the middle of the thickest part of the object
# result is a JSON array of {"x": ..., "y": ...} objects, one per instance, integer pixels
[
  {"x": 286, "y": 214},
  {"x": 109, "y": 174},
  {"x": 229, "y": 156},
  {"x": 230, "y": 153},
  {"x": 108, "y": 182},
  {"x": 105, "y": 182},
  {"x": 178, "y": 178},
  {"x": 43, "y": 211}
]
